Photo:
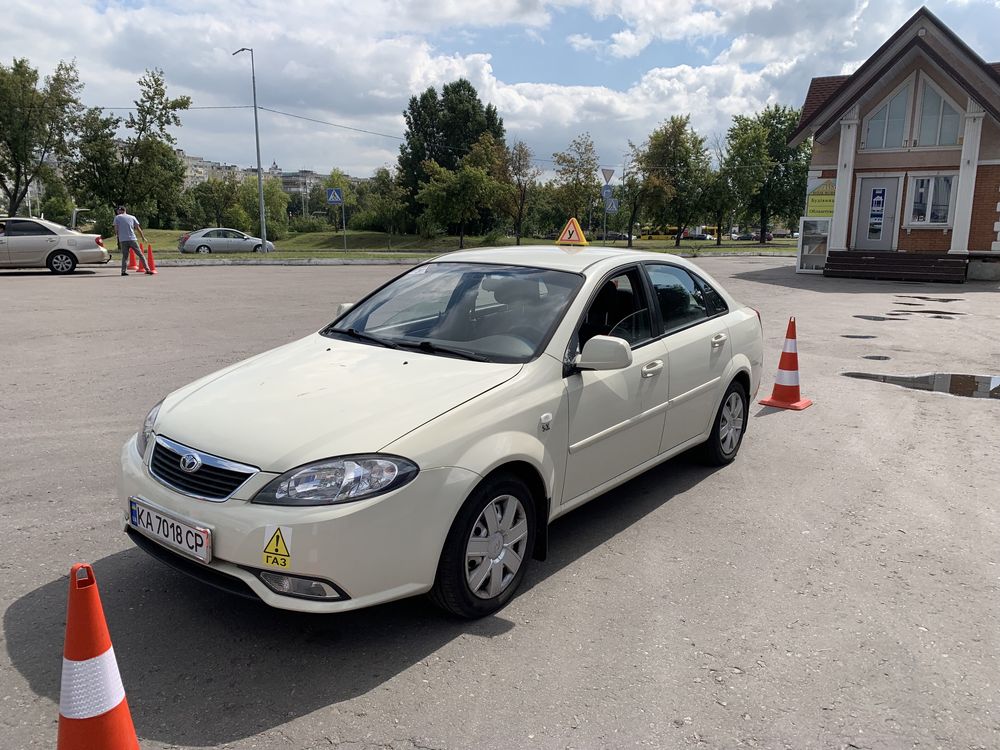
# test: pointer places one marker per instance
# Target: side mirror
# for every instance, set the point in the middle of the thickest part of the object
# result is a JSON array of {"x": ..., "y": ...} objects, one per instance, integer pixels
[
  {"x": 343, "y": 307},
  {"x": 605, "y": 353}
]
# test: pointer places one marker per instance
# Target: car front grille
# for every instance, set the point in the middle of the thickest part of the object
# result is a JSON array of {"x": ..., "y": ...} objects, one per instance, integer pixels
[{"x": 214, "y": 479}]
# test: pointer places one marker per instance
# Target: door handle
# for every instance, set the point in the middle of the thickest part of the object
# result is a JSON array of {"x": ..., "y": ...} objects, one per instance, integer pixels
[
  {"x": 51, "y": 241},
  {"x": 718, "y": 340},
  {"x": 652, "y": 368}
]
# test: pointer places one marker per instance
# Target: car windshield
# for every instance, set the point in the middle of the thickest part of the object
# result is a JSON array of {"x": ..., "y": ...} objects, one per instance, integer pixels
[{"x": 483, "y": 312}]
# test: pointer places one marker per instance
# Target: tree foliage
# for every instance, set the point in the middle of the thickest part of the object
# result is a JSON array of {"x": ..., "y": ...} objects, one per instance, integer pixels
[
  {"x": 442, "y": 129},
  {"x": 576, "y": 177},
  {"x": 768, "y": 174},
  {"x": 456, "y": 196},
  {"x": 676, "y": 163},
  {"x": 36, "y": 124},
  {"x": 140, "y": 170},
  {"x": 524, "y": 175},
  {"x": 275, "y": 207}
]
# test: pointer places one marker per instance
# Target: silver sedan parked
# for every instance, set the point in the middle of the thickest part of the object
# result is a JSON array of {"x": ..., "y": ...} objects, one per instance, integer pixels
[
  {"x": 220, "y": 240},
  {"x": 37, "y": 243}
]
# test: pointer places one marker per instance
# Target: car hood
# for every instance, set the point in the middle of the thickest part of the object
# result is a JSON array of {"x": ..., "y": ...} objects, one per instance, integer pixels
[{"x": 320, "y": 397}]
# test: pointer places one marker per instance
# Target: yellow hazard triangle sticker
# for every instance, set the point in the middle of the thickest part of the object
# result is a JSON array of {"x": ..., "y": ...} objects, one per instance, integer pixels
[
  {"x": 277, "y": 549},
  {"x": 572, "y": 234}
]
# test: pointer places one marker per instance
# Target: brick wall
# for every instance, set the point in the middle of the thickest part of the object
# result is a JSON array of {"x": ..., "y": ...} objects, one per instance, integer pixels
[{"x": 984, "y": 208}]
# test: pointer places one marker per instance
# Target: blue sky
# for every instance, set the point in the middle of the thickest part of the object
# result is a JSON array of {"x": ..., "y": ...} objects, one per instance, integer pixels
[{"x": 553, "y": 68}]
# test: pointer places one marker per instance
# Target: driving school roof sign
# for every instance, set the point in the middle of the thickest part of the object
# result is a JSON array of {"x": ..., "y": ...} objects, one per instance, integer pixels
[{"x": 571, "y": 234}]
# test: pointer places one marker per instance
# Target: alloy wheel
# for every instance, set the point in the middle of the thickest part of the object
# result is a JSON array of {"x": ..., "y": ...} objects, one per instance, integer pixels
[{"x": 731, "y": 424}]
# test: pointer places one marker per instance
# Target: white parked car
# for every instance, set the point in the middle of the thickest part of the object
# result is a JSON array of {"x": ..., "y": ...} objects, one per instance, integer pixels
[
  {"x": 423, "y": 441},
  {"x": 220, "y": 240},
  {"x": 37, "y": 243}
]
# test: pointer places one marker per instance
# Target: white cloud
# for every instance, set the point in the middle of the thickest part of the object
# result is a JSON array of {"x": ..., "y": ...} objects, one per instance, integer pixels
[{"x": 357, "y": 64}]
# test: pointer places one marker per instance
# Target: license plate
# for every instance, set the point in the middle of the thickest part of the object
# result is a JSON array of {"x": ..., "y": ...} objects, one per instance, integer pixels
[{"x": 193, "y": 541}]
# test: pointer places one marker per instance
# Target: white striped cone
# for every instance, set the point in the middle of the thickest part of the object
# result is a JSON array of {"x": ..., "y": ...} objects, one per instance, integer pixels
[
  {"x": 93, "y": 712},
  {"x": 786, "y": 383}
]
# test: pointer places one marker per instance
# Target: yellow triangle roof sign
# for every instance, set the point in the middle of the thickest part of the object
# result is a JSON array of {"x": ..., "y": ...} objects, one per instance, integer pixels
[{"x": 571, "y": 234}]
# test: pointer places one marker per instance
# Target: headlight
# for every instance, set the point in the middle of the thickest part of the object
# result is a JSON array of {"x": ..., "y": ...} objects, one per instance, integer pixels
[
  {"x": 338, "y": 480},
  {"x": 142, "y": 439}
]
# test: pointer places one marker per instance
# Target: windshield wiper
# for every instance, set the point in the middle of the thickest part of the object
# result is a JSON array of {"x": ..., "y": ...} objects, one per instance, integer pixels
[
  {"x": 363, "y": 336},
  {"x": 432, "y": 348}
]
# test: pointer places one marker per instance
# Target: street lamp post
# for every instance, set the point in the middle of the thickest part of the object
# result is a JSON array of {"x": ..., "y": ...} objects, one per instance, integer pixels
[{"x": 256, "y": 132}]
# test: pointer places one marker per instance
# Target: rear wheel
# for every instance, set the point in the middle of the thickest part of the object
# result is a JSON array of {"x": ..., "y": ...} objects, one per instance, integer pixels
[
  {"x": 203, "y": 249},
  {"x": 730, "y": 425},
  {"x": 487, "y": 550},
  {"x": 61, "y": 262}
]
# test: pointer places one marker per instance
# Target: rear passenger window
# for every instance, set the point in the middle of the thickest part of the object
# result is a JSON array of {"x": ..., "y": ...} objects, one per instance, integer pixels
[
  {"x": 713, "y": 300},
  {"x": 681, "y": 300}
]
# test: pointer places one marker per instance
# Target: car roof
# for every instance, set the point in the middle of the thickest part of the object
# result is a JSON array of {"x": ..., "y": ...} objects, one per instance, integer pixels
[
  {"x": 573, "y": 258},
  {"x": 44, "y": 222}
]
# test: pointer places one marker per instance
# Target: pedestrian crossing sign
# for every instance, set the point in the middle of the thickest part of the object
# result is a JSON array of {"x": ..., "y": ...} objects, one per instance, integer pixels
[{"x": 572, "y": 234}]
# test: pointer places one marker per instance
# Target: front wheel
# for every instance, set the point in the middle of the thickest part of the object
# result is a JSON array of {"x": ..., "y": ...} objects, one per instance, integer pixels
[
  {"x": 61, "y": 262},
  {"x": 730, "y": 425},
  {"x": 487, "y": 549},
  {"x": 256, "y": 248}
]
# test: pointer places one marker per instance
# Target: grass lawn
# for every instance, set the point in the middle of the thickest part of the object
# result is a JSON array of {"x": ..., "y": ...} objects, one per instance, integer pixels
[{"x": 375, "y": 245}]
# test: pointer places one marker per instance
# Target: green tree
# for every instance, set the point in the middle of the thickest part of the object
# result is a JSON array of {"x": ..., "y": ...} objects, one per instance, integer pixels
[
  {"x": 57, "y": 205},
  {"x": 387, "y": 201},
  {"x": 525, "y": 175},
  {"x": 644, "y": 187},
  {"x": 275, "y": 208},
  {"x": 678, "y": 154},
  {"x": 492, "y": 155},
  {"x": 140, "y": 170},
  {"x": 217, "y": 199},
  {"x": 442, "y": 129},
  {"x": 455, "y": 196},
  {"x": 769, "y": 175},
  {"x": 576, "y": 177},
  {"x": 36, "y": 124}
]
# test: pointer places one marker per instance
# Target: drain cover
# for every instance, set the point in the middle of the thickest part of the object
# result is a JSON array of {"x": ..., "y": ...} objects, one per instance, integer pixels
[
  {"x": 856, "y": 336},
  {"x": 875, "y": 356}
]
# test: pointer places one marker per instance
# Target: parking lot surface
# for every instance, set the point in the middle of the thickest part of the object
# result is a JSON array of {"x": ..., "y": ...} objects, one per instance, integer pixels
[{"x": 838, "y": 586}]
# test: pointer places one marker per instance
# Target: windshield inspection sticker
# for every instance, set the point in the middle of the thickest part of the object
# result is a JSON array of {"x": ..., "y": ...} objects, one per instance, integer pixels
[{"x": 277, "y": 546}]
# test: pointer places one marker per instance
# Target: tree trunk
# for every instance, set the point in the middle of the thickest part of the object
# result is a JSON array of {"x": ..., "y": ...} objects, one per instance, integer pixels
[
  {"x": 677, "y": 239},
  {"x": 520, "y": 217},
  {"x": 718, "y": 230},
  {"x": 631, "y": 220},
  {"x": 461, "y": 236},
  {"x": 763, "y": 224}
]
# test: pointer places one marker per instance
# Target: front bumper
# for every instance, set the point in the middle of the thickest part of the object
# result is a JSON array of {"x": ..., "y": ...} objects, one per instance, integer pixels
[{"x": 373, "y": 550}]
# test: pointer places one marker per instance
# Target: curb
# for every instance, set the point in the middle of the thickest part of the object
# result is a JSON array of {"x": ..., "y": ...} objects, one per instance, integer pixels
[{"x": 408, "y": 261}]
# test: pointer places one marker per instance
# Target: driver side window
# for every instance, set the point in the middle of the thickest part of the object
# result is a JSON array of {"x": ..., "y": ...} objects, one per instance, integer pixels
[{"x": 620, "y": 308}]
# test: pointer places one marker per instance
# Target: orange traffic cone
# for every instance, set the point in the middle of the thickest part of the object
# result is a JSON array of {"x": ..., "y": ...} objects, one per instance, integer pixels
[
  {"x": 150, "y": 261},
  {"x": 786, "y": 383},
  {"x": 93, "y": 712},
  {"x": 132, "y": 265}
]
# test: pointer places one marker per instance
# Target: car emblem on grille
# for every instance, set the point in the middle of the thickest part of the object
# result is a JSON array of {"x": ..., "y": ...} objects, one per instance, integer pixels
[{"x": 190, "y": 463}]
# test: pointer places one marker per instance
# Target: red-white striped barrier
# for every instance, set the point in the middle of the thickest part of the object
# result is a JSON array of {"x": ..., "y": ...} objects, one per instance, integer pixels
[
  {"x": 786, "y": 383},
  {"x": 93, "y": 711}
]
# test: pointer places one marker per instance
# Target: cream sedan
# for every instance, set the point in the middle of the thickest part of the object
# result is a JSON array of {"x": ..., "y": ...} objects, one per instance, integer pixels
[
  {"x": 425, "y": 439},
  {"x": 37, "y": 243}
]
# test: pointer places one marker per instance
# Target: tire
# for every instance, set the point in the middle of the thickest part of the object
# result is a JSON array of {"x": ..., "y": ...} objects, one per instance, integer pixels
[
  {"x": 256, "y": 248},
  {"x": 203, "y": 249},
  {"x": 474, "y": 585},
  {"x": 61, "y": 262},
  {"x": 723, "y": 445}
]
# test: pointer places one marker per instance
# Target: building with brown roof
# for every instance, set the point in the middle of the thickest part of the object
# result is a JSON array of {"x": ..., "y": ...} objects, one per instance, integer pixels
[{"x": 906, "y": 153}]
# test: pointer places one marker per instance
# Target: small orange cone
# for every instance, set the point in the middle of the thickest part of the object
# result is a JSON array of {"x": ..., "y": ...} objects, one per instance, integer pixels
[
  {"x": 150, "y": 260},
  {"x": 93, "y": 712},
  {"x": 132, "y": 265},
  {"x": 786, "y": 383}
]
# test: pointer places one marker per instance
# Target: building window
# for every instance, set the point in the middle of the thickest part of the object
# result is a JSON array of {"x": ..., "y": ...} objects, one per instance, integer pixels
[
  {"x": 886, "y": 126},
  {"x": 930, "y": 200},
  {"x": 939, "y": 121}
]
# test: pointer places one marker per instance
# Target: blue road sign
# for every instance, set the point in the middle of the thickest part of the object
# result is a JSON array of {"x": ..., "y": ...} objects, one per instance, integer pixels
[
  {"x": 606, "y": 192},
  {"x": 611, "y": 206},
  {"x": 335, "y": 196}
]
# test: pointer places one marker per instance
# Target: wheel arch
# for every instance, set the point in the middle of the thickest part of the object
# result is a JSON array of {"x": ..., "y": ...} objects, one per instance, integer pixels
[{"x": 55, "y": 250}]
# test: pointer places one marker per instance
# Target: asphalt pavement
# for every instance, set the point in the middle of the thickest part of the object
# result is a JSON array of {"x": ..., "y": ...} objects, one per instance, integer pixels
[{"x": 838, "y": 586}]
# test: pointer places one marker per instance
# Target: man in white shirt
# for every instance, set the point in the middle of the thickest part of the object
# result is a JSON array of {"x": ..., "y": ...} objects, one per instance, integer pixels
[{"x": 125, "y": 228}]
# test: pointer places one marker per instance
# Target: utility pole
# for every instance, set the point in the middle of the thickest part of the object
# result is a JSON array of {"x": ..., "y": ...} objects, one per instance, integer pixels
[{"x": 256, "y": 132}]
